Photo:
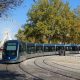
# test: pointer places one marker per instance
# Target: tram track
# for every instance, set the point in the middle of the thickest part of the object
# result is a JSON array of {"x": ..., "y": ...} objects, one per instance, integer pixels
[
  {"x": 5, "y": 73},
  {"x": 18, "y": 72},
  {"x": 34, "y": 77},
  {"x": 67, "y": 77},
  {"x": 66, "y": 71},
  {"x": 9, "y": 74},
  {"x": 45, "y": 61},
  {"x": 15, "y": 72},
  {"x": 37, "y": 72},
  {"x": 52, "y": 71}
]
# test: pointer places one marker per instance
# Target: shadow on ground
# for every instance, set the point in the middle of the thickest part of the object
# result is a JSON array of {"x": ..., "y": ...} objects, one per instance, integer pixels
[{"x": 6, "y": 75}]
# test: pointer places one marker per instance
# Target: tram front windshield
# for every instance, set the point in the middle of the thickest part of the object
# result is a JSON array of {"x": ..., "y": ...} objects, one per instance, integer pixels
[{"x": 11, "y": 49}]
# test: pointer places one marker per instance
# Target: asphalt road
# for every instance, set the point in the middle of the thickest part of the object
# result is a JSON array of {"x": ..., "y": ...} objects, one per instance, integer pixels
[{"x": 43, "y": 68}]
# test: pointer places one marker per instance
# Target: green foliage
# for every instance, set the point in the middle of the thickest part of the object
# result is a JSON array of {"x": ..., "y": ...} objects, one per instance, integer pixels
[
  {"x": 20, "y": 35},
  {"x": 52, "y": 21}
]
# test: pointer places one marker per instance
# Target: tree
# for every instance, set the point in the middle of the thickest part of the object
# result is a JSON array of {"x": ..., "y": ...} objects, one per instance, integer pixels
[
  {"x": 20, "y": 35},
  {"x": 37, "y": 19},
  {"x": 7, "y": 4},
  {"x": 52, "y": 21}
]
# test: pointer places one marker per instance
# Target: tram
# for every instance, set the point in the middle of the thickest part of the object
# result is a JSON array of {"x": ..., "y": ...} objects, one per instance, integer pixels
[
  {"x": 13, "y": 51},
  {"x": 17, "y": 51}
]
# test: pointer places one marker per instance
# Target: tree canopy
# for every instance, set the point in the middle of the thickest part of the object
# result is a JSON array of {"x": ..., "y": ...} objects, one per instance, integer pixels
[
  {"x": 8, "y": 4},
  {"x": 52, "y": 21}
]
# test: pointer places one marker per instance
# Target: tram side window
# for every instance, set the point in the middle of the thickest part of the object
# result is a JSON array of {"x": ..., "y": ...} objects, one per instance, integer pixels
[
  {"x": 53, "y": 48},
  {"x": 46, "y": 49},
  {"x": 59, "y": 48},
  {"x": 68, "y": 48},
  {"x": 74, "y": 48},
  {"x": 21, "y": 48},
  {"x": 79, "y": 48},
  {"x": 39, "y": 48},
  {"x": 32, "y": 49},
  {"x": 24, "y": 46}
]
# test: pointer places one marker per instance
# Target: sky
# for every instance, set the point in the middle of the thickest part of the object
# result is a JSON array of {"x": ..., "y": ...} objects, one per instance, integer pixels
[
  {"x": 73, "y": 3},
  {"x": 18, "y": 16}
]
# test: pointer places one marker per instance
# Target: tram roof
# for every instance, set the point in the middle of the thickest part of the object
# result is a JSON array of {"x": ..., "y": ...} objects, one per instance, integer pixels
[
  {"x": 78, "y": 44},
  {"x": 30, "y": 44},
  {"x": 70, "y": 44},
  {"x": 60, "y": 44},
  {"x": 49, "y": 44},
  {"x": 12, "y": 41},
  {"x": 38, "y": 44}
]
